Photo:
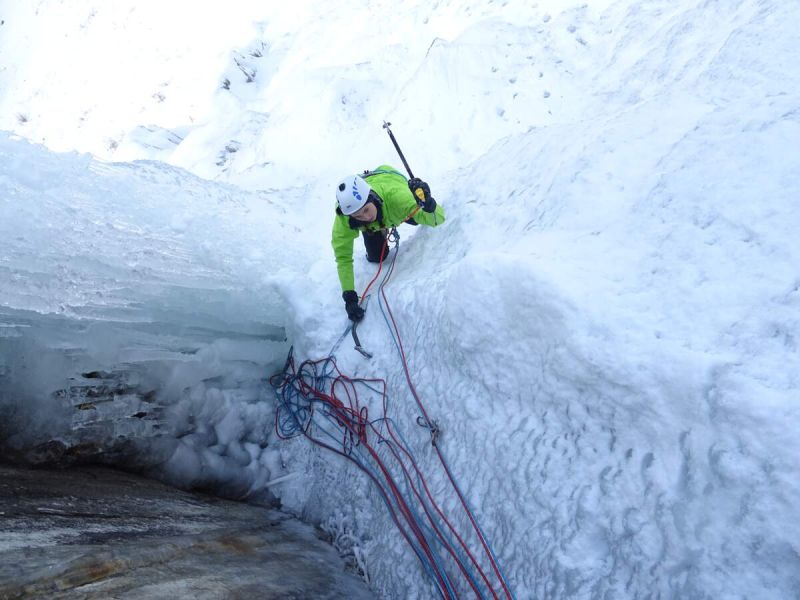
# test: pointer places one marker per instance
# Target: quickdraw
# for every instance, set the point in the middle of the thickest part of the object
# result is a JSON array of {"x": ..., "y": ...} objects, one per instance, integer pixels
[{"x": 432, "y": 426}]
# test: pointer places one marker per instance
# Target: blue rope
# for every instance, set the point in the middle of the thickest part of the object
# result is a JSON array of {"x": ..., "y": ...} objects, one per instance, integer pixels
[
  {"x": 296, "y": 412},
  {"x": 462, "y": 558},
  {"x": 300, "y": 409},
  {"x": 381, "y": 304}
]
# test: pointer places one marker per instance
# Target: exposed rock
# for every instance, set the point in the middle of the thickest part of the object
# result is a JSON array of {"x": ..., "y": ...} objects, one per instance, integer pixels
[{"x": 92, "y": 532}]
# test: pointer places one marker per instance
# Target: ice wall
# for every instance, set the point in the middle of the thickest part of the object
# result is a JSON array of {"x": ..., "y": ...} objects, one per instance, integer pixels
[{"x": 137, "y": 324}]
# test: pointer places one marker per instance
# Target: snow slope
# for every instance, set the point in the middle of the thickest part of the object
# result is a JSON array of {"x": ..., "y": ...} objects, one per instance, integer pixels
[
  {"x": 607, "y": 323},
  {"x": 606, "y": 326}
]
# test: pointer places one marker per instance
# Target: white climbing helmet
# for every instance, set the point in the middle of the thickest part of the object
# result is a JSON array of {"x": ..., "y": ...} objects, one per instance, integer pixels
[{"x": 352, "y": 193}]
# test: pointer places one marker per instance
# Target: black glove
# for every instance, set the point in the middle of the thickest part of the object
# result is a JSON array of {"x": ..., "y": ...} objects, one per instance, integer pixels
[
  {"x": 422, "y": 194},
  {"x": 354, "y": 311}
]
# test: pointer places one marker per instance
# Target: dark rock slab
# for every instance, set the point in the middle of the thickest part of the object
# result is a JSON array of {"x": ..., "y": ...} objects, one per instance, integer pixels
[{"x": 92, "y": 532}]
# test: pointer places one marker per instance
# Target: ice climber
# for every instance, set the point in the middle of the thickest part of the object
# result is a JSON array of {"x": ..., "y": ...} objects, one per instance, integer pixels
[{"x": 373, "y": 203}]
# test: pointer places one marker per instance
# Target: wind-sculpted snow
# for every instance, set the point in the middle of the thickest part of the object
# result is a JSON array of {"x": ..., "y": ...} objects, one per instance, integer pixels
[
  {"x": 604, "y": 329},
  {"x": 137, "y": 324}
]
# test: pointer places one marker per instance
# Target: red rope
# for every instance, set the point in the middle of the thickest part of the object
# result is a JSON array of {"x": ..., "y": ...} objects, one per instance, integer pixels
[
  {"x": 383, "y": 254},
  {"x": 354, "y": 420},
  {"x": 413, "y": 389},
  {"x": 471, "y": 517},
  {"x": 344, "y": 408}
]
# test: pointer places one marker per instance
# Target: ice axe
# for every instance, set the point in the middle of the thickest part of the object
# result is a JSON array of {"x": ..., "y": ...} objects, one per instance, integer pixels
[{"x": 419, "y": 193}]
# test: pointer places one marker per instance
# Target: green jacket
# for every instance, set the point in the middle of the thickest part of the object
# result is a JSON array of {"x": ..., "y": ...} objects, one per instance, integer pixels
[{"x": 398, "y": 204}]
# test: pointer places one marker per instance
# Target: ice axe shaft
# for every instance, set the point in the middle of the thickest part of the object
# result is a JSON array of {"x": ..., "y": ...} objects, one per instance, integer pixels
[
  {"x": 358, "y": 345},
  {"x": 387, "y": 126}
]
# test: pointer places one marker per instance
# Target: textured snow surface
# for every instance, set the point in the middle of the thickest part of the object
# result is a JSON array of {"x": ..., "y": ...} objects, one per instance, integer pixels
[{"x": 606, "y": 327}]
